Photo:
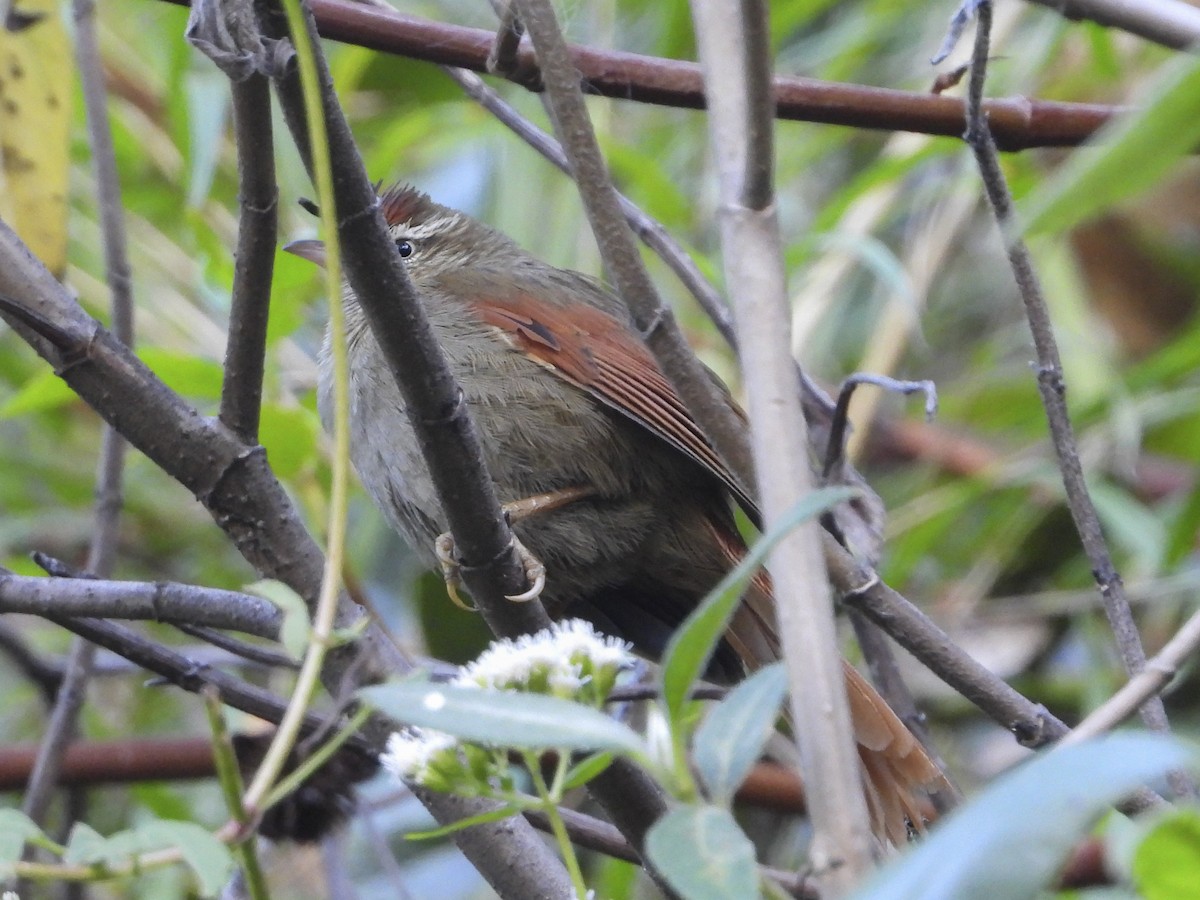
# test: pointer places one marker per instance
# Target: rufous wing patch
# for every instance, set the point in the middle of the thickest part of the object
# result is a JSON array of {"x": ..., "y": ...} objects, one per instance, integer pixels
[{"x": 598, "y": 353}]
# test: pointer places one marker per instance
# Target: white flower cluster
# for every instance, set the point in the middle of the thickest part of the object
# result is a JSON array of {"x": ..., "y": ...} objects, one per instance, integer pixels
[
  {"x": 569, "y": 659},
  {"x": 410, "y": 752}
]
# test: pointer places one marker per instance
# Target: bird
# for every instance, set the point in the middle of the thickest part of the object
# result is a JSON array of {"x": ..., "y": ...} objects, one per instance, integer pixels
[{"x": 608, "y": 480}]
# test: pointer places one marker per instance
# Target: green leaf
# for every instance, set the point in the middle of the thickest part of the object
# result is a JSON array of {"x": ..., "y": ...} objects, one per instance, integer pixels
[
  {"x": 503, "y": 719},
  {"x": 186, "y": 374},
  {"x": 85, "y": 845},
  {"x": 290, "y": 435},
  {"x": 1131, "y": 525},
  {"x": 731, "y": 738},
  {"x": 1011, "y": 841},
  {"x": 16, "y": 829},
  {"x": 495, "y": 815},
  {"x": 1166, "y": 865},
  {"x": 585, "y": 770},
  {"x": 296, "y": 627},
  {"x": 41, "y": 392},
  {"x": 1126, "y": 156},
  {"x": 703, "y": 854},
  {"x": 205, "y": 855},
  {"x": 692, "y": 645}
]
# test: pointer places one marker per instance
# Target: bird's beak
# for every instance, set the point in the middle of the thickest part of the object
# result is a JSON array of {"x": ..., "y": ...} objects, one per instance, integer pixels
[{"x": 313, "y": 251}]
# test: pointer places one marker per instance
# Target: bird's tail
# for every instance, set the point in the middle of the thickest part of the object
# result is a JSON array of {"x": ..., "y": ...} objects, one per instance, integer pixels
[{"x": 896, "y": 770}]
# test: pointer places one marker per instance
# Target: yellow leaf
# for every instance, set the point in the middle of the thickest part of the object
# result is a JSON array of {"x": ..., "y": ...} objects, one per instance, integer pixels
[{"x": 35, "y": 127}]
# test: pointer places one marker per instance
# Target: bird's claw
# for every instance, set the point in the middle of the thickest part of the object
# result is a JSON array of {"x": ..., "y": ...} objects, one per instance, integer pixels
[
  {"x": 535, "y": 572},
  {"x": 451, "y": 570}
]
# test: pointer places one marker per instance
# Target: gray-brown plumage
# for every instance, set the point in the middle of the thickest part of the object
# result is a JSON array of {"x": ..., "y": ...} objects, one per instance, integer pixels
[{"x": 565, "y": 395}]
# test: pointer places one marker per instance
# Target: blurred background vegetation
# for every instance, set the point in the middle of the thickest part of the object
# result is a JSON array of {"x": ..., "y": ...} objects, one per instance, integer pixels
[{"x": 895, "y": 266}]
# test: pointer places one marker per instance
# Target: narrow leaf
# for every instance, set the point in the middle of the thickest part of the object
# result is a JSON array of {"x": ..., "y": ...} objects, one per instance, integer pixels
[
  {"x": 585, "y": 770},
  {"x": 527, "y": 721},
  {"x": 731, "y": 738},
  {"x": 704, "y": 855},
  {"x": 1127, "y": 156},
  {"x": 492, "y": 815},
  {"x": 1011, "y": 841},
  {"x": 16, "y": 829},
  {"x": 692, "y": 645},
  {"x": 207, "y": 857},
  {"x": 85, "y": 845},
  {"x": 294, "y": 632}
]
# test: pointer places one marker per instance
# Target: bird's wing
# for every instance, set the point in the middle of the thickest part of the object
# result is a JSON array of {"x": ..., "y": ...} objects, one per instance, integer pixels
[{"x": 601, "y": 355}]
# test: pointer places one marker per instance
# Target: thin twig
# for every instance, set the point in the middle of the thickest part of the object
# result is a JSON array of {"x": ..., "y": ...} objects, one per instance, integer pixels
[
  {"x": 1032, "y": 724},
  {"x": 1051, "y": 384},
  {"x": 1172, "y": 23},
  {"x": 622, "y": 262},
  {"x": 107, "y": 508},
  {"x": 157, "y": 601},
  {"x": 254, "y": 261},
  {"x": 182, "y": 671},
  {"x": 45, "y": 674},
  {"x": 650, "y": 231},
  {"x": 835, "y": 451},
  {"x": 1157, "y": 674},
  {"x": 264, "y": 656},
  {"x": 503, "y": 56}
]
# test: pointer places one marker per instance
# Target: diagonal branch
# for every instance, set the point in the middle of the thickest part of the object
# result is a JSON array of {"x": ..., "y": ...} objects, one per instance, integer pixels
[{"x": 1050, "y": 381}]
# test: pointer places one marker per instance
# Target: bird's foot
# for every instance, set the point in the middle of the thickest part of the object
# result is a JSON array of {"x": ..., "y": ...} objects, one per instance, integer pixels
[
  {"x": 535, "y": 571},
  {"x": 451, "y": 570}
]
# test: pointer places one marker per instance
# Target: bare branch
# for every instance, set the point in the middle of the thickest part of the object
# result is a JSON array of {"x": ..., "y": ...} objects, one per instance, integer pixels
[
  {"x": 622, "y": 262},
  {"x": 1017, "y": 122},
  {"x": 1051, "y": 384},
  {"x": 735, "y": 56},
  {"x": 1171, "y": 23},
  {"x": 254, "y": 260},
  {"x": 160, "y": 601},
  {"x": 107, "y": 508},
  {"x": 1157, "y": 674}
]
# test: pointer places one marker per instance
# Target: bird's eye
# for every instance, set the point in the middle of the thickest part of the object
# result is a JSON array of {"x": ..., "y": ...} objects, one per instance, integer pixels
[{"x": 405, "y": 248}]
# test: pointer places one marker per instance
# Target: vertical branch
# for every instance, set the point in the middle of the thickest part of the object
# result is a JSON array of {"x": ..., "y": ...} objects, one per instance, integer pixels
[
  {"x": 651, "y": 232},
  {"x": 241, "y": 392},
  {"x": 621, "y": 259},
  {"x": 735, "y": 56},
  {"x": 107, "y": 508},
  {"x": 1050, "y": 381}
]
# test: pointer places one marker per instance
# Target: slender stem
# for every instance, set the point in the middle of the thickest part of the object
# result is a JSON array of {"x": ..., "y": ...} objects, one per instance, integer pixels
[
  {"x": 558, "y": 828},
  {"x": 254, "y": 262},
  {"x": 230, "y": 780},
  {"x": 733, "y": 49},
  {"x": 1157, "y": 674},
  {"x": 107, "y": 508},
  {"x": 322, "y": 627},
  {"x": 1052, "y": 385},
  {"x": 313, "y": 762}
]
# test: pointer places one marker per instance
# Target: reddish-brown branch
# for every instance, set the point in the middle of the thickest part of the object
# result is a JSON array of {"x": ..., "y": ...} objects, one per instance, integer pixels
[
  {"x": 108, "y": 762},
  {"x": 1017, "y": 123}
]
